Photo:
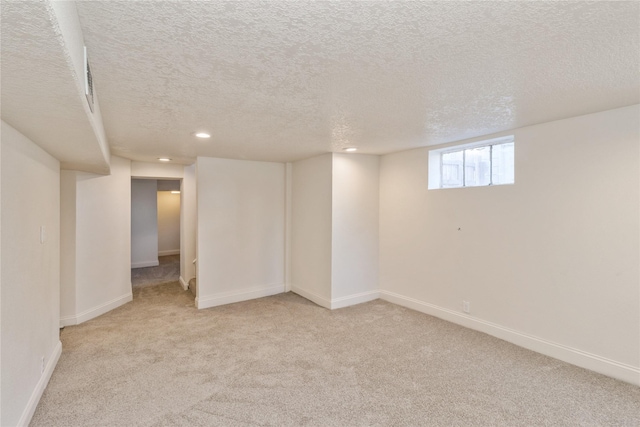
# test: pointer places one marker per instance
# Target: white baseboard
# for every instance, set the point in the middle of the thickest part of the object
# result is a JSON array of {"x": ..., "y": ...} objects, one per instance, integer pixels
[
  {"x": 30, "y": 409},
  {"x": 611, "y": 368},
  {"x": 336, "y": 302},
  {"x": 183, "y": 283},
  {"x": 145, "y": 264},
  {"x": 169, "y": 252},
  {"x": 95, "y": 311},
  {"x": 215, "y": 300},
  {"x": 354, "y": 299},
  {"x": 313, "y": 297}
]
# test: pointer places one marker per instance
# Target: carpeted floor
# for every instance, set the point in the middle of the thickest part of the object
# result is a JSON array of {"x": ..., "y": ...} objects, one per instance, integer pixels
[
  {"x": 283, "y": 361},
  {"x": 167, "y": 271}
]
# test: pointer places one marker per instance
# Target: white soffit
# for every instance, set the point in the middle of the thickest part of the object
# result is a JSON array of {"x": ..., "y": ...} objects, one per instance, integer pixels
[
  {"x": 40, "y": 96},
  {"x": 281, "y": 81}
]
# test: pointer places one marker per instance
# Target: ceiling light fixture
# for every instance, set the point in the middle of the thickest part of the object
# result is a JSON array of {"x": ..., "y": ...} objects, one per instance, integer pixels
[
  {"x": 164, "y": 159},
  {"x": 175, "y": 192},
  {"x": 203, "y": 135},
  {"x": 350, "y": 149}
]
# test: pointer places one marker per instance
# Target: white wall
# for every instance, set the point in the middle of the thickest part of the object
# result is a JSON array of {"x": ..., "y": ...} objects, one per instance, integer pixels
[
  {"x": 550, "y": 263},
  {"x": 30, "y": 274},
  {"x": 355, "y": 202},
  {"x": 168, "y": 223},
  {"x": 156, "y": 170},
  {"x": 241, "y": 208},
  {"x": 68, "y": 243},
  {"x": 188, "y": 225},
  {"x": 103, "y": 243},
  {"x": 144, "y": 223},
  {"x": 311, "y": 229}
]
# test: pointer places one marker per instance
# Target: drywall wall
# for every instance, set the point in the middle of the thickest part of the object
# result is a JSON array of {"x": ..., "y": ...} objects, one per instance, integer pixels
[
  {"x": 550, "y": 263},
  {"x": 168, "y": 223},
  {"x": 240, "y": 229},
  {"x": 67, "y": 243},
  {"x": 311, "y": 228},
  {"x": 355, "y": 206},
  {"x": 144, "y": 223},
  {"x": 30, "y": 269},
  {"x": 102, "y": 256},
  {"x": 188, "y": 226},
  {"x": 156, "y": 170}
]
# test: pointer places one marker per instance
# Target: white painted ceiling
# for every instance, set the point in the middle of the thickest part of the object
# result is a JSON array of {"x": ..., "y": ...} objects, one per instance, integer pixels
[{"x": 282, "y": 81}]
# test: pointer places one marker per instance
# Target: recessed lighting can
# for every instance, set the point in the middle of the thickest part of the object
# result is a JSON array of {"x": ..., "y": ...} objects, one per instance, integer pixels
[
  {"x": 203, "y": 135},
  {"x": 350, "y": 149},
  {"x": 164, "y": 159}
]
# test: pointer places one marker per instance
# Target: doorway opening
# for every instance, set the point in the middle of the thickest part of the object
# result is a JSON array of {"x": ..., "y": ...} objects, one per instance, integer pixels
[{"x": 155, "y": 231}]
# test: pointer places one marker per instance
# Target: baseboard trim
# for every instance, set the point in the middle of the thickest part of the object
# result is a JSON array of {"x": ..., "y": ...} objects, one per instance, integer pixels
[
  {"x": 95, "y": 311},
  {"x": 30, "y": 409},
  {"x": 313, "y": 297},
  {"x": 583, "y": 359},
  {"x": 145, "y": 264},
  {"x": 215, "y": 300},
  {"x": 169, "y": 252},
  {"x": 354, "y": 299},
  {"x": 184, "y": 284}
]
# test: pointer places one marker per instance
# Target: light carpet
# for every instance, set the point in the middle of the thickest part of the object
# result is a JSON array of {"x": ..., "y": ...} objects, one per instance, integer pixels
[
  {"x": 168, "y": 270},
  {"x": 283, "y": 361}
]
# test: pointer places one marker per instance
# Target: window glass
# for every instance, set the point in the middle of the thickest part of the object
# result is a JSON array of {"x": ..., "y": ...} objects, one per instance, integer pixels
[
  {"x": 502, "y": 164},
  {"x": 477, "y": 166},
  {"x": 452, "y": 169}
]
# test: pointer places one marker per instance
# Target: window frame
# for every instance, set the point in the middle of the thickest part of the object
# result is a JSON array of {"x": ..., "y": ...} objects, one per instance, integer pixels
[{"x": 435, "y": 179}]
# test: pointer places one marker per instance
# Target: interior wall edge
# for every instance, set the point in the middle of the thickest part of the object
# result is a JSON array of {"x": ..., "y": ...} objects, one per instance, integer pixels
[{"x": 592, "y": 362}]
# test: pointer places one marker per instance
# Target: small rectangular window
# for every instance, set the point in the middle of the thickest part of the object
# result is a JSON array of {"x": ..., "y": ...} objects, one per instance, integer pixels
[{"x": 472, "y": 165}]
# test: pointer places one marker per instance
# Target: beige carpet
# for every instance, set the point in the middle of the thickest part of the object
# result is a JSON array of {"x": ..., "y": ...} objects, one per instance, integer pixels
[
  {"x": 168, "y": 270},
  {"x": 283, "y": 361}
]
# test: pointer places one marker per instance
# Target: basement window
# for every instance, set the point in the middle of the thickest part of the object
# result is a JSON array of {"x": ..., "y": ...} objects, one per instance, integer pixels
[{"x": 477, "y": 164}]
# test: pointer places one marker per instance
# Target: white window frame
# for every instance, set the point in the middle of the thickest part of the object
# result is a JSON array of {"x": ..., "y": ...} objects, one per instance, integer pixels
[{"x": 435, "y": 161}]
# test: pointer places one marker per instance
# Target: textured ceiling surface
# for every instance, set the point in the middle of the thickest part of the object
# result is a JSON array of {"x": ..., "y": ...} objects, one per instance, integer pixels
[
  {"x": 40, "y": 97},
  {"x": 281, "y": 81}
]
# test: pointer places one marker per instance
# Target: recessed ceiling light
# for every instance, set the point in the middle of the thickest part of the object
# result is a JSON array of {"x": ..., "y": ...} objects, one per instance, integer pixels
[
  {"x": 164, "y": 159},
  {"x": 350, "y": 149},
  {"x": 203, "y": 135}
]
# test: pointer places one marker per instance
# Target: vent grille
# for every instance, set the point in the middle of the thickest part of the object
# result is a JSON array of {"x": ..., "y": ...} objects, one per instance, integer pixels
[{"x": 88, "y": 80}]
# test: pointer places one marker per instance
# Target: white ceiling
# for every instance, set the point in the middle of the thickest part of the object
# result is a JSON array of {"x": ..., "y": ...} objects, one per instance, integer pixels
[{"x": 281, "y": 81}]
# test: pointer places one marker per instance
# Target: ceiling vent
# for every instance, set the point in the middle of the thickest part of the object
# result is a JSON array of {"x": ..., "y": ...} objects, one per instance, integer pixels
[{"x": 88, "y": 81}]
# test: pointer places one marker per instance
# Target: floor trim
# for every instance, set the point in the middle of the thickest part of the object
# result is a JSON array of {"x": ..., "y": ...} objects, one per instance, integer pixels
[
  {"x": 145, "y": 264},
  {"x": 184, "y": 284},
  {"x": 313, "y": 297},
  {"x": 30, "y": 409},
  {"x": 354, "y": 299},
  {"x": 169, "y": 252},
  {"x": 215, "y": 300},
  {"x": 95, "y": 311},
  {"x": 583, "y": 359}
]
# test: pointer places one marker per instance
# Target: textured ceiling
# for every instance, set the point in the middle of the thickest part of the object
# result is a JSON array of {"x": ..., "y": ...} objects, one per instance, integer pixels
[
  {"x": 281, "y": 81},
  {"x": 40, "y": 95}
]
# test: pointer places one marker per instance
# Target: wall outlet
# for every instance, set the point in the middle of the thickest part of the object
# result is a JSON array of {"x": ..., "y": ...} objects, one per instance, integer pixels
[
  {"x": 42, "y": 365},
  {"x": 43, "y": 234},
  {"x": 466, "y": 306}
]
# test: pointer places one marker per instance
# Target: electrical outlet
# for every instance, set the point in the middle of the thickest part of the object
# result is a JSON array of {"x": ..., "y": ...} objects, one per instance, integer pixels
[
  {"x": 43, "y": 234},
  {"x": 466, "y": 306},
  {"x": 42, "y": 365}
]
